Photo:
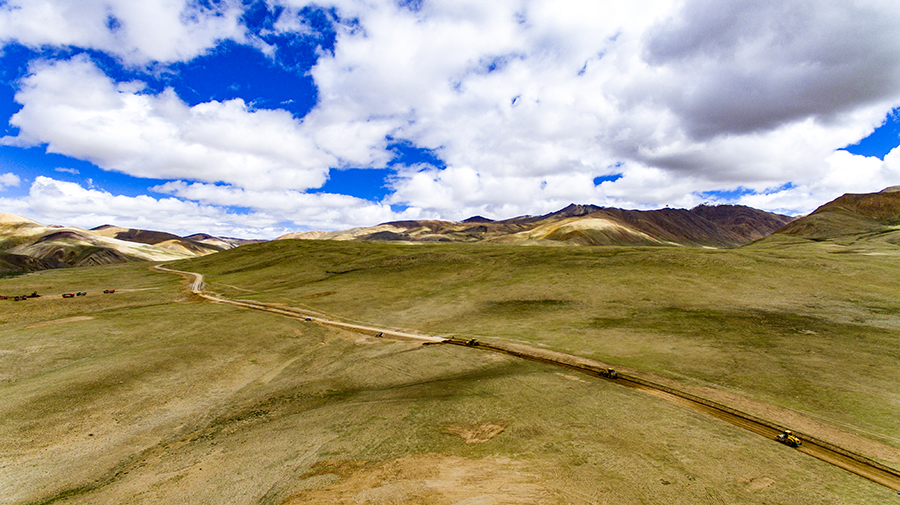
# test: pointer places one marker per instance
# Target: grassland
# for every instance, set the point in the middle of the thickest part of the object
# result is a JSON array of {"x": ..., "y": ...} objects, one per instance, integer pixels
[
  {"x": 811, "y": 327},
  {"x": 161, "y": 398}
]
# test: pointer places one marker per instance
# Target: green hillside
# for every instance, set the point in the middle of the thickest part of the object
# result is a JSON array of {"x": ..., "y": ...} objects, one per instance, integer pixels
[
  {"x": 151, "y": 395},
  {"x": 774, "y": 324},
  {"x": 852, "y": 218}
]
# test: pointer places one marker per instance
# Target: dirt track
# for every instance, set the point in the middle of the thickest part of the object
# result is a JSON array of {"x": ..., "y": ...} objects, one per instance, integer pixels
[{"x": 830, "y": 453}]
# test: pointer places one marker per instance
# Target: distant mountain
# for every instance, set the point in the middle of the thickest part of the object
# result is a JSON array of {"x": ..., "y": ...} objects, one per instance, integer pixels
[
  {"x": 869, "y": 216},
  {"x": 20, "y": 263},
  {"x": 222, "y": 243},
  {"x": 719, "y": 226},
  {"x": 26, "y": 245}
]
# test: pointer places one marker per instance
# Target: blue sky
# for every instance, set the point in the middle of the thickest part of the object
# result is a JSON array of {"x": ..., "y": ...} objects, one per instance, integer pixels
[{"x": 258, "y": 118}]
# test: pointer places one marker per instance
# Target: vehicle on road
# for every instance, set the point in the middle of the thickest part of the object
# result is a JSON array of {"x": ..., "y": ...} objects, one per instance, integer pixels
[{"x": 788, "y": 438}]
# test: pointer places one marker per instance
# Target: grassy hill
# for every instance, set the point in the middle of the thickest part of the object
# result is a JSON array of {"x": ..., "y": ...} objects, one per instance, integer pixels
[
  {"x": 852, "y": 218},
  {"x": 757, "y": 321},
  {"x": 151, "y": 396}
]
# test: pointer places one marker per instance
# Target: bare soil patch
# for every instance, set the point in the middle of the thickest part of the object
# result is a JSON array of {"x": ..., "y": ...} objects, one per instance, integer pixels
[
  {"x": 475, "y": 433},
  {"x": 432, "y": 479},
  {"x": 758, "y": 483}
]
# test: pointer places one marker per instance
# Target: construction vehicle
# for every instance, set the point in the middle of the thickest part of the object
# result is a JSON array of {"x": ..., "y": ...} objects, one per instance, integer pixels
[
  {"x": 459, "y": 341},
  {"x": 609, "y": 373},
  {"x": 788, "y": 438}
]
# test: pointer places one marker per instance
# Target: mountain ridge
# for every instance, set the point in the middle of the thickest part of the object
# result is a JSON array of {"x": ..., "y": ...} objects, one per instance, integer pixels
[
  {"x": 852, "y": 217},
  {"x": 582, "y": 224},
  {"x": 26, "y": 245}
]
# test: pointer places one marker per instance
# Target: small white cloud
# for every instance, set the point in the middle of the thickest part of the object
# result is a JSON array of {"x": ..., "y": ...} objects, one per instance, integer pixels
[
  {"x": 73, "y": 171},
  {"x": 9, "y": 179}
]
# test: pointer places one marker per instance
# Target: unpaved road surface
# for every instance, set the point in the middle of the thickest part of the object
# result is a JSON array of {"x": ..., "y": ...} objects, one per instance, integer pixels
[
  {"x": 197, "y": 285},
  {"x": 841, "y": 457}
]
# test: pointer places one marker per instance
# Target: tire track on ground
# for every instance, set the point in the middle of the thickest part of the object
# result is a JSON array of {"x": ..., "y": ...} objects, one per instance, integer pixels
[{"x": 812, "y": 446}]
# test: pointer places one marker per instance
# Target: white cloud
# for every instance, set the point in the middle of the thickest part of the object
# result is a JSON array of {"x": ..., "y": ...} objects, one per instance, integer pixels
[
  {"x": 56, "y": 202},
  {"x": 79, "y": 112},
  {"x": 843, "y": 173},
  {"x": 200, "y": 207},
  {"x": 525, "y": 101},
  {"x": 8, "y": 179},
  {"x": 319, "y": 211},
  {"x": 73, "y": 171},
  {"x": 137, "y": 32}
]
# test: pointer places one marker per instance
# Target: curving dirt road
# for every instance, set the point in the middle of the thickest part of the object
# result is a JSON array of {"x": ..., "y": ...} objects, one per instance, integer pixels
[
  {"x": 196, "y": 287},
  {"x": 825, "y": 451}
]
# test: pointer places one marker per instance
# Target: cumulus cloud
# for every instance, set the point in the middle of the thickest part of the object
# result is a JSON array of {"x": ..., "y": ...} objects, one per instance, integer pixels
[
  {"x": 137, "y": 32},
  {"x": 843, "y": 173},
  {"x": 8, "y": 179},
  {"x": 303, "y": 210},
  {"x": 526, "y": 103},
  {"x": 57, "y": 202},
  {"x": 680, "y": 97},
  {"x": 738, "y": 67},
  {"x": 78, "y": 111}
]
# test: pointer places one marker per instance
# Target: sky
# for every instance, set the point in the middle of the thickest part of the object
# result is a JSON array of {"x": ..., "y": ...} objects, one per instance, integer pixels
[{"x": 252, "y": 119}]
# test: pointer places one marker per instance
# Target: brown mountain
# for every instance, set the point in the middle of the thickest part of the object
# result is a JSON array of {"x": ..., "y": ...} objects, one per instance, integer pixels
[
  {"x": 869, "y": 216},
  {"x": 157, "y": 238},
  {"x": 220, "y": 242},
  {"x": 720, "y": 226},
  {"x": 20, "y": 263},
  {"x": 27, "y": 245}
]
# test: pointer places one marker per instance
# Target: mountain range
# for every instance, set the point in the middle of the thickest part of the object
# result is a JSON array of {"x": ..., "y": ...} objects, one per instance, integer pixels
[
  {"x": 711, "y": 226},
  {"x": 26, "y": 245}
]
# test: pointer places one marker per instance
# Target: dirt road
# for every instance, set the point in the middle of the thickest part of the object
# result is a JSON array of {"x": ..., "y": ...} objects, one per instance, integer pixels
[
  {"x": 197, "y": 285},
  {"x": 839, "y": 456}
]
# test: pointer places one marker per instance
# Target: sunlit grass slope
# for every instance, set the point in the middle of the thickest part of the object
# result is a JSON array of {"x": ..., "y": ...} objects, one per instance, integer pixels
[
  {"x": 812, "y": 327},
  {"x": 151, "y": 396}
]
